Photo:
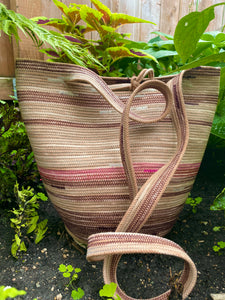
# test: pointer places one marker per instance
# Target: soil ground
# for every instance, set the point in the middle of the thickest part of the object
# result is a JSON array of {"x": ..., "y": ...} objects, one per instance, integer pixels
[{"x": 141, "y": 276}]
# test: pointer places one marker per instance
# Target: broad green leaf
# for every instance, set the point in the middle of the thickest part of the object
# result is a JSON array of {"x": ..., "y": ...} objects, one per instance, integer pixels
[
  {"x": 220, "y": 57},
  {"x": 220, "y": 40},
  {"x": 104, "y": 10},
  {"x": 160, "y": 53},
  {"x": 66, "y": 274},
  {"x": 77, "y": 294},
  {"x": 108, "y": 290},
  {"x": 168, "y": 36},
  {"x": 190, "y": 29},
  {"x": 91, "y": 16},
  {"x": 120, "y": 19},
  {"x": 62, "y": 268}
]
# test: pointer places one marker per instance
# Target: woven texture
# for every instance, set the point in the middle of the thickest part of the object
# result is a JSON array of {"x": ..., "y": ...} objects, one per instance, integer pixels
[{"x": 119, "y": 155}]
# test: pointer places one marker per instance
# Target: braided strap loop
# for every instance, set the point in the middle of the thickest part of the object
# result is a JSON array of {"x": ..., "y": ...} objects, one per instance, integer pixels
[
  {"x": 85, "y": 75},
  {"x": 112, "y": 245}
]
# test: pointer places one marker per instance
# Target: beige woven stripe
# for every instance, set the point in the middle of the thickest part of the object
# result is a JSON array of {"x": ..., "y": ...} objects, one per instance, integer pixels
[{"x": 75, "y": 135}]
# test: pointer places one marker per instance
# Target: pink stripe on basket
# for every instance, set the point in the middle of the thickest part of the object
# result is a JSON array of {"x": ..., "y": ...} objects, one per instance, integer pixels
[{"x": 141, "y": 170}]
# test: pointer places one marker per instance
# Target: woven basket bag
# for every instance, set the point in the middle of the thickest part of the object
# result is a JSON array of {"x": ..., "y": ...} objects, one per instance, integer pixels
[{"x": 118, "y": 156}]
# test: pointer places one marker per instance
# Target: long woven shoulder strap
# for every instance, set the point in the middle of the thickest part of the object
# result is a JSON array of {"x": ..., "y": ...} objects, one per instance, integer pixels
[{"x": 110, "y": 246}]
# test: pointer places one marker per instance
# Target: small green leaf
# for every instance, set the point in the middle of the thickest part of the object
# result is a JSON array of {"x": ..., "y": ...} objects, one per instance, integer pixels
[
  {"x": 221, "y": 244},
  {"x": 77, "y": 294},
  {"x": 77, "y": 270},
  {"x": 216, "y": 228},
  {"x": 18, "y": 240},
  {"x": 40, "y": 234},
  {"x": 70, "y": 268},
  {"x": 62, "y": 268},
  {"x": 66, "y": 274},
  {"x": 216, "y": 248},
  {"x": 108, "y": 290},
  {"x": 23, "y": 247},
  {"x": 14, "y": 249}
]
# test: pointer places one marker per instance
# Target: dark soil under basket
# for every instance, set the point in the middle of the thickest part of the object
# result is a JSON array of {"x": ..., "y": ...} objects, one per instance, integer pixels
[{"x": 141, "y": 276}]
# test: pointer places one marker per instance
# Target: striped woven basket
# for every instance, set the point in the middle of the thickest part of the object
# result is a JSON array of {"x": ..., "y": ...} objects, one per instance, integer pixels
[{"x": 118, "y": 156}]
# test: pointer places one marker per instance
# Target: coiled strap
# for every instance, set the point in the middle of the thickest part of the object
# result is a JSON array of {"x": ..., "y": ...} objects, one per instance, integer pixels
[{"x": 110, "y": 246}]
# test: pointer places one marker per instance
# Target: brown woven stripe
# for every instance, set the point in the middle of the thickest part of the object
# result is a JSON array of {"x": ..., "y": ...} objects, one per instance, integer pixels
[{"x": 75, "y": 135}]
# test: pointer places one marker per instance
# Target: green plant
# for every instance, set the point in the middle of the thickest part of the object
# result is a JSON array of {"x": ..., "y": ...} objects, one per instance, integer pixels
[
  {"x": 108, "y": 292},
  {"x": 10, "y": 22},
  {"x": 26, "y": 218},
  {"x": 217, "y": 248},
  {"x": 101, "y": 53},
  {"x": 193, "y": 202},
  {"x": 109, "y": 46},
  {"x": 218, "y": 205},
  {"x": 16, "y": 157},
  {"x": 10, "y": 292},
  {"x": 72, "y": 273}
]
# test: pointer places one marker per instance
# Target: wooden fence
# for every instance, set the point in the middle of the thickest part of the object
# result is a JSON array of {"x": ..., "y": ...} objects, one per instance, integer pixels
[{"x": 165, "y": 13}]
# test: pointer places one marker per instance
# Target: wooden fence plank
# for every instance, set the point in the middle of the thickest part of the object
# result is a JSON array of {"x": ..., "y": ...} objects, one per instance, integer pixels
[
  {"x": 6, "y": 52},
  {"x": 6, "y": 88},
  {"x": 150, "y": 10},
  {"x": 169, "y": 16},
  {"x": 29, "y": 9}
]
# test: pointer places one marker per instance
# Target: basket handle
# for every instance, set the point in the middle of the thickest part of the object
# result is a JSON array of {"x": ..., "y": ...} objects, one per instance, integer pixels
[
  {"x": 110, "y": 246},
  {"x": 88, "y": 76}
]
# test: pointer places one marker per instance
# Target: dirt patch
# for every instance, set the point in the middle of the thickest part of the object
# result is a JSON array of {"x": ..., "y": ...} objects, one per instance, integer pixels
[{"x": 141, "y": 276}]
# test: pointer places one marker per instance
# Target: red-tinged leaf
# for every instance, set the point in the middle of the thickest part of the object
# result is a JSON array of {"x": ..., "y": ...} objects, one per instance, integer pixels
[
  {"x": 61, "y": 6},
  {"x": 74, "y": 14},
  {"x": 104, "y": 10},
  {"x": 120, "y": 19},
  {"x": 91, "y": 16},
  {"x": 60, "y": 25},
  {"x": 119, "y": 52},
  {"x": 139, "y": 53},
  {"x": 72, "y": 39},
  {"x": 42, "y": 21},
  {"x": 50, "y": 52}
]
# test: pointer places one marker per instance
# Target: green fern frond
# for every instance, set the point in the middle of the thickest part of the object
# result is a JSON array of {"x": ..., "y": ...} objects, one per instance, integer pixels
[{"x": 11, "y": 21}]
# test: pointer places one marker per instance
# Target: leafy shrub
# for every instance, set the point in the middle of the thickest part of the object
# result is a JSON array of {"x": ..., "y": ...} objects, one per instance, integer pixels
[
  {"x": 17, "y": 160},
  {"x": 25, "y": 219}
]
